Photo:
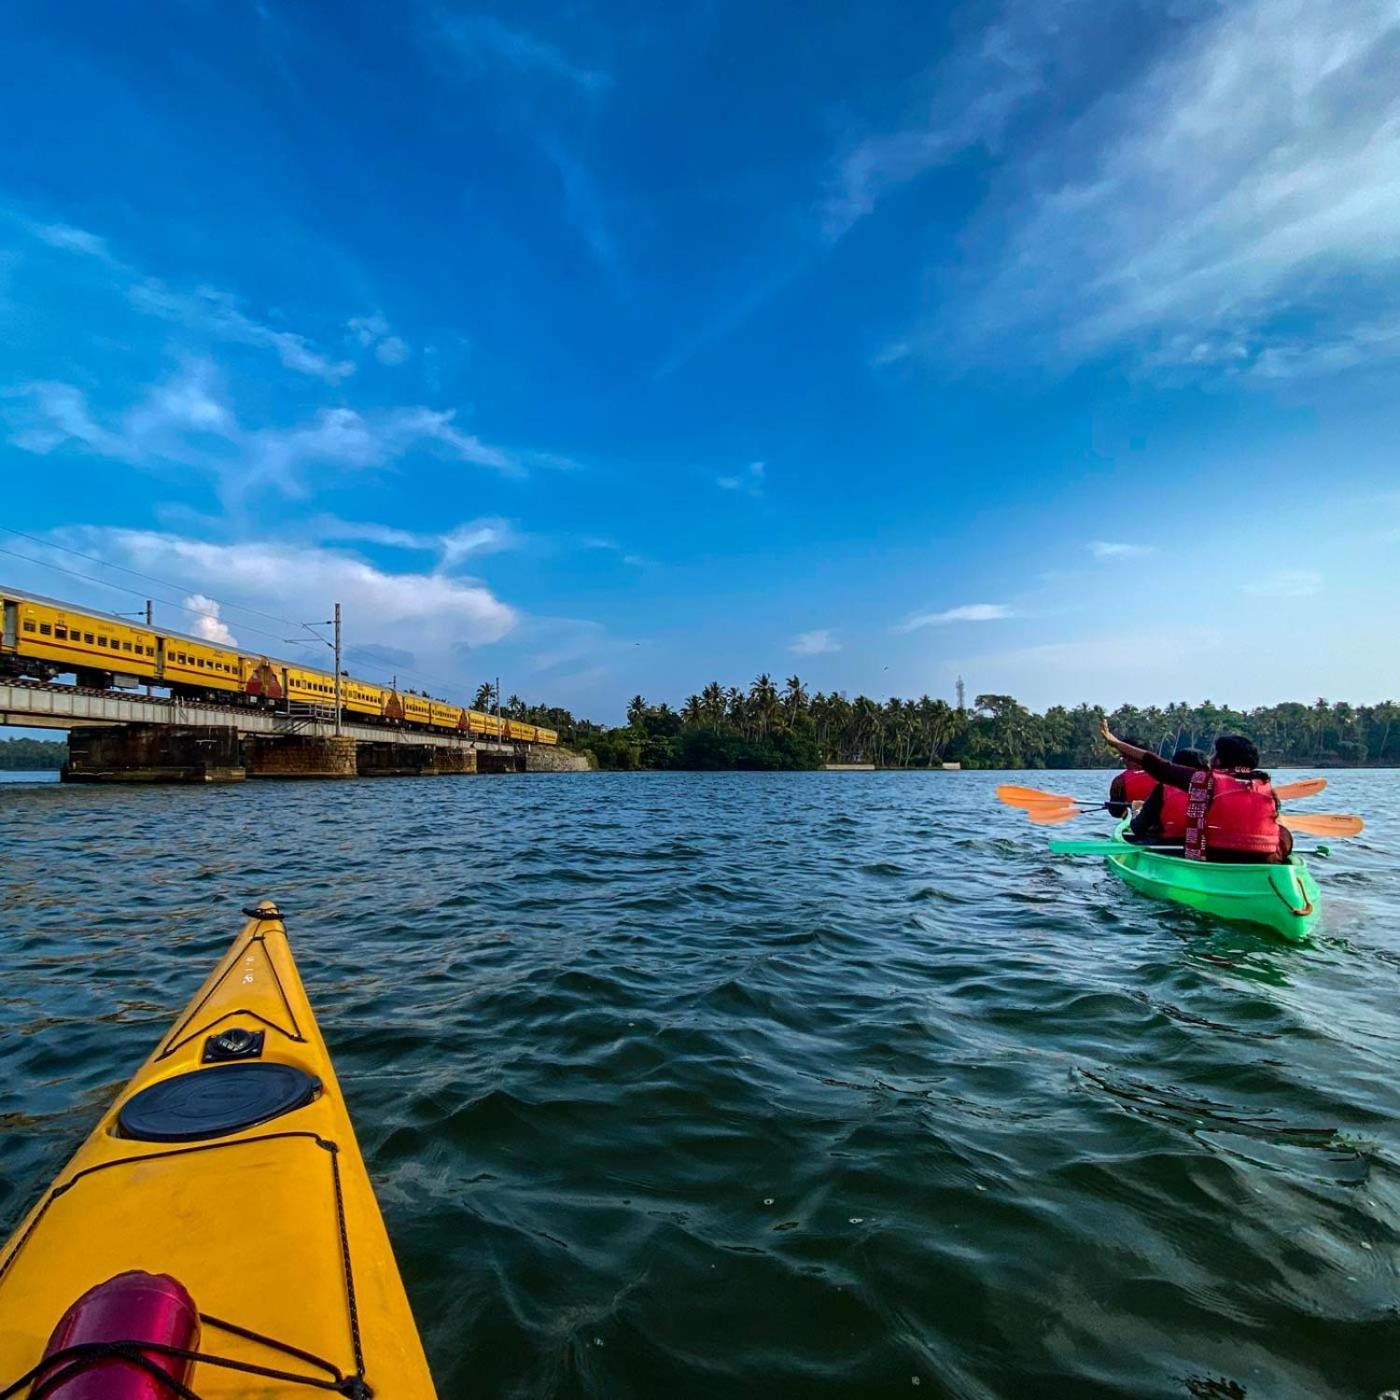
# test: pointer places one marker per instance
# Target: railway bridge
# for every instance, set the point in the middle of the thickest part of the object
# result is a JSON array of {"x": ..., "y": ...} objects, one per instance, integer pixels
[{"x": 126, "y": 736}]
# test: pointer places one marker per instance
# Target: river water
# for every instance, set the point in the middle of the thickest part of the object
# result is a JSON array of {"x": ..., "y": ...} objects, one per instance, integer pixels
[{"x": 770, "y": 1085}]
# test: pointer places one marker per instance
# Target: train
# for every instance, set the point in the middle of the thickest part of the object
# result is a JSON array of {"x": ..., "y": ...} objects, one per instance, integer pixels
[{"x": 41, "y": 638}]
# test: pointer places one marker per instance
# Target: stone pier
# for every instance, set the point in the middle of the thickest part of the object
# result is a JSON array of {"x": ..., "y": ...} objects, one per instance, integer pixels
[
  {"x": 153, "y": 753},
  {"x": 462, "y": 760},
  {"x": 298, "y": 756},
  {"x": 544, "y": 760}
]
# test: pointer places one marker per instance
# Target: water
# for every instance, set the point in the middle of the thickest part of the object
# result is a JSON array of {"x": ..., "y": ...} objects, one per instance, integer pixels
[{"x": 791, "y": 1084}]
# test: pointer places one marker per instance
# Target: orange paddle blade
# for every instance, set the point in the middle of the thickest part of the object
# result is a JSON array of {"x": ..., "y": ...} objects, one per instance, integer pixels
[
  {"x": 1324, "y": 823},
  {"x": 1304, "y": 787},
  {"x": 1047, "y": 815},
  {"x": 1015, "y": 796}
]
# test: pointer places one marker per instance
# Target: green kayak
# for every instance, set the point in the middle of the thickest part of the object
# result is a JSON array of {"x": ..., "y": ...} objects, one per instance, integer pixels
[{"x": 1281, "y": 897}]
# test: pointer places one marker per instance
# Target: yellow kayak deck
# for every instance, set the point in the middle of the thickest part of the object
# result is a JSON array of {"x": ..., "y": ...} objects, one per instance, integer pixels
[{"x": 273, "y": 1228}]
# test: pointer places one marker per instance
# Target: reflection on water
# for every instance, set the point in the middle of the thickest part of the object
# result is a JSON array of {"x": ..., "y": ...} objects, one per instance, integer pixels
[{"x": 818, "y": 1084}]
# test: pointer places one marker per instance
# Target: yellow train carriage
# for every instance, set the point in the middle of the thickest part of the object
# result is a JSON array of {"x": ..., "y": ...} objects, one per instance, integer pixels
[
  {"x": 200, "y": 666},
  {"x": 361, "y": 698},
  {"x": 445, "y": 716},
  {"x": 546, "y": 736},
  {"x": 417, "y": 709},
  {"x": 480, "y": 723},
  {"x": 517, "y": 729},
  {"x": 63, "y": 639},
  {"x": 307, "y": 687}
]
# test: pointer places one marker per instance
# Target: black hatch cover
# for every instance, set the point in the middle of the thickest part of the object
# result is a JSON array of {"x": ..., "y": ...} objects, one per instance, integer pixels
[{"x": 213, "y": 1102}]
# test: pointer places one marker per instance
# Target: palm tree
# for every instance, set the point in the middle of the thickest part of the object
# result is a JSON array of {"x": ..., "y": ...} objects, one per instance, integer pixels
[
  {"x": 794, "y": 698},
  {"x": 693, "y": 712},
  {"x": 636, "y": 711},
  {"x": 763, "y": 697},
  {"x": 483, "y": 697}
]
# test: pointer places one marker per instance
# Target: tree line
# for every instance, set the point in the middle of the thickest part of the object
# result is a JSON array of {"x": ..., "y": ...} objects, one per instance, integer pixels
[
  {"x": 32, "y": 755},
  {"x": 770, "y": 726}
]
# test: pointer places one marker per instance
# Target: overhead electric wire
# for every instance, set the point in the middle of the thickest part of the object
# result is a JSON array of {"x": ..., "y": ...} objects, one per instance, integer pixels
[{"x": 149, "y": 578}]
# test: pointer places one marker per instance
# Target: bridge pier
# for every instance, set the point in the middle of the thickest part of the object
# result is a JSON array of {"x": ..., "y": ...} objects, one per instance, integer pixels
[
  {"x": 301, "y": 756},
  {"x": 153, "y": 753},
  {"x": 399, "y": 760},
  {"x": 490, "y": 762},
  {"x": 458, "y": 760}
]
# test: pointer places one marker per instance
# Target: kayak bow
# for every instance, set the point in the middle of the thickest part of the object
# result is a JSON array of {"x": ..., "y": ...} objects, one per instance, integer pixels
[
  {"x": 226, "y": 1173},
  {"x": 1281, "y": 897}
]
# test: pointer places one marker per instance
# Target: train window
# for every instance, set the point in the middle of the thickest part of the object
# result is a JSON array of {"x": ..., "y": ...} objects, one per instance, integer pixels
[
  {"x": 60, "y": 632},
  {"x": 126, "y": 646},
  {"x": 29, "y": 624},
  {"x": 45, "y": 630},
  {"x": 87, "y": 637},
  {"x": 102, "y": 641}
]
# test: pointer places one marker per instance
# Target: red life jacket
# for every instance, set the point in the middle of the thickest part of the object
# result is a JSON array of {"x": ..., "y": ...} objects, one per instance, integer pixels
[
  {"x": 1230, "y": 812},
  {"x": 1137, "y": 785},
  {"x": 1173, "y": 814}
]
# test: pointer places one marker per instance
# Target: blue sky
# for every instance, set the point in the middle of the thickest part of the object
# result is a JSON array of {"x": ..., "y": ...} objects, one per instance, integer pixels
[{"x": 612, "y": 348}]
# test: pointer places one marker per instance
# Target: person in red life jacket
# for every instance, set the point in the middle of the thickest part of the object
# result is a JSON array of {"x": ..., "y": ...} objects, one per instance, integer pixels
[
  {"x": 1162, "y": 820},
  {"x": 1129, "y": 787},
  {"x": 1231, "y": 810}
]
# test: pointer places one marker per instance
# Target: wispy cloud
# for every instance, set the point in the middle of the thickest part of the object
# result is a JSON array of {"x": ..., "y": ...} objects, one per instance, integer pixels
[
  {"x": 482, "y": 38},
  {"x": 472, "y": 537},
  {"x": 214, "y": 313},
  {"x": 1286, "y": 583},
  {"x": 1109, "y": 549},
  {"x": 75, "y": 240},
  {"x": 373, "y": 332},
  {"x": 818, "y": 643},
  {"x": 1236, "y": 209},
  {"x": 971, "y": 97},
  {"x": 585, "y": 206},
  {"x": 184, "y": 419},
  {"x": 968, "y": 612},
  {"x": 749, "y": 482},
  {"x": 206, "y": 311}
]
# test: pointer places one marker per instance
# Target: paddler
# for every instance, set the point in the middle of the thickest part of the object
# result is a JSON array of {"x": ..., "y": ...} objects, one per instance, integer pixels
[
  {"x": 1231, "y": 810},
  {"x": 1132, "y": 786},
  {"x": 1162, "y": 819}
]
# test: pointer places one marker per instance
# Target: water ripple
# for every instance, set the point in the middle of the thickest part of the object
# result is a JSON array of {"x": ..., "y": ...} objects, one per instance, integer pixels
[{"x": 818, "y": 1084}]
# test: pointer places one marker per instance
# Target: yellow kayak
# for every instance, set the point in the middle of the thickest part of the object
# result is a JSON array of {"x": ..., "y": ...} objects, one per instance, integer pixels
[{"x": 220, "y": 1211}]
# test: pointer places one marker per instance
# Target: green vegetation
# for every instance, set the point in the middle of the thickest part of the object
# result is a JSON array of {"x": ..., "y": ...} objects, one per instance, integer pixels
[
  {"x": 767, "y": 727},
  {"x": 32, "y": 755}
]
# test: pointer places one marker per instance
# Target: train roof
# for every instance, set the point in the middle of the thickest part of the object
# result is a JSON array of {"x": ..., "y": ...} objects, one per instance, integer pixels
[{"x": 137, "y": 620}]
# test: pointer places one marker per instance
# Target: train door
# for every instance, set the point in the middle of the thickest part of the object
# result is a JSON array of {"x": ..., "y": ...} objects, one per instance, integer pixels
[{"x": 11, "y": 627}]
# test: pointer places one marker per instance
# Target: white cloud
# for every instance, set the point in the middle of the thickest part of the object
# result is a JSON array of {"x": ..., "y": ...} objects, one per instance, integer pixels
[
  {"x": 213, "y": 313},
  {"x": 750, "y": 481},
  {"x": 207, "y": 622},
  {"x": 1286, "y": 583},
  {"x": 431, "y": 613},
  {"x": 1238, "y": 206},
  {"x": 1107, "y": 549},
  {"x": 477, "y": 38},
  {"x": 818, "y": 643},
  {"x": 968, "y": 612}
]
